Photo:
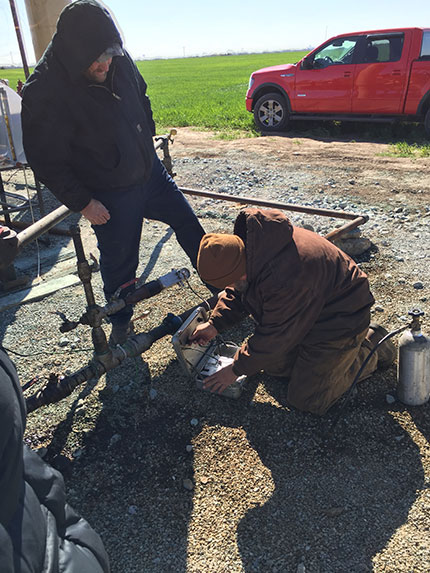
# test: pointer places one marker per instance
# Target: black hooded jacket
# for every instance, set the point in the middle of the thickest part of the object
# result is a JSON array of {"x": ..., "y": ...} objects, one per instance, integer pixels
[
  {"x": 81, "y": 137},
  {"x": 39, "y": 531}
]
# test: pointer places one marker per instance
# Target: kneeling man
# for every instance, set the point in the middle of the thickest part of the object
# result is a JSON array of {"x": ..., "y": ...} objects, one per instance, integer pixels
[{"x": 310, "y": 301}]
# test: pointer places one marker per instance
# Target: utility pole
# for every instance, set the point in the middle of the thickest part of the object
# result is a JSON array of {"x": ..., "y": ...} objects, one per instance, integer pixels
[{"x": 19, "y": 38}]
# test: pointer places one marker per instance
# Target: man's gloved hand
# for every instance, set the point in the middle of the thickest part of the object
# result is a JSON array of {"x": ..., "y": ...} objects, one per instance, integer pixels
[{"x": 96, "y": 213}]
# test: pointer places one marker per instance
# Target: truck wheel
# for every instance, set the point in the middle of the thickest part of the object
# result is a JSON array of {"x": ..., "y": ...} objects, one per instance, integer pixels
[
  {"x": 427, "y": 123},
  {"x": 271, "y": 113}
]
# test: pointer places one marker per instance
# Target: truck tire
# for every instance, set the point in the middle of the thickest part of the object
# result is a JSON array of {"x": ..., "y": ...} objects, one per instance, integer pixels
[
  {"x": 427, "y": 123},
  {"x": 271, "y": 113}
]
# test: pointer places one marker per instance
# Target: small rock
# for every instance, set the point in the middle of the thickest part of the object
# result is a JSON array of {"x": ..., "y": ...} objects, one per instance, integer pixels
[
  {"x": 379, "y": 308},
  {"x": 301, "y": 568},
  {"x": 354, "y": 247},
  {"x": 189, "y": 448},
  {"x": 132, "y": 510},
  {"x": 194, "y": 422},
  {"x": 418, "y": 285},
  {"x": 390, "y": 399},
  {"x": 351, "y": 181},
  {"x": 153, "y": 393},
  {"x": 77, "y": 453},
  {"x": 308, "y": 227},
  {"x": 188, "y": 484},
  {"x": 114, "y": 439},
  {"x": 333, "y": 511},
  {"x": 64, "y": 341},
  {"x": 353, "y": 234}
]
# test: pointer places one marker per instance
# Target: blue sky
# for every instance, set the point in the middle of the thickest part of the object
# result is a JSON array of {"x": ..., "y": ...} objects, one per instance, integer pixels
[{"x": 177, "y": 28}]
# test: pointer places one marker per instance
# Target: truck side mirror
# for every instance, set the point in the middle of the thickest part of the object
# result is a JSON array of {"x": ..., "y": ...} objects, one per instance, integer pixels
[{"x": 307, "y": 64}]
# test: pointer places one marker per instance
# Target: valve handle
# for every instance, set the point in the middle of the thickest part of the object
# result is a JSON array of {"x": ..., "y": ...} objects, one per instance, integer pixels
[{"x": 416, "y": 312}]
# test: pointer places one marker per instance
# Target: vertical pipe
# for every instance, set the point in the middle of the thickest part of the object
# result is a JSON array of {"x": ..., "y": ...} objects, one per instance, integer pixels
[
  {"x": 42, "y": 18},
  {"x": 19, "y": 37}
]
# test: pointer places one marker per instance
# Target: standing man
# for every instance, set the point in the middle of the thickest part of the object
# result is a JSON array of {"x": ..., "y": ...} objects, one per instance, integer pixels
[
  {"x": 310, "y": 301},
  {"x": 87, "y": 128}
]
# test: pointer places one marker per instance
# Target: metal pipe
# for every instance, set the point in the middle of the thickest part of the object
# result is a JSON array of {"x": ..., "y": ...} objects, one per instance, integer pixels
[
  {"x": 345, "y": 228},
  {"x": 274, "y": 204},
  {"x": 57, "y": 389},
  {"x": 22, "y": 225},
  {"x": 19, "y": 38},
  {"x": 43, "y": 225}
]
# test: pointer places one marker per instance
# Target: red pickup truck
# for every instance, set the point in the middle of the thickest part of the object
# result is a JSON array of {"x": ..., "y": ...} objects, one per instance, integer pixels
[{"x": 379, "y": 75}]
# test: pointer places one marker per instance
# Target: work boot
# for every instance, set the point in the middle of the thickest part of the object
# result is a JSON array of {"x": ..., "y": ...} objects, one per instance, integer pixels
[
  {"x": 387, "y": 352},
  {"x": 120, "y": 333}
]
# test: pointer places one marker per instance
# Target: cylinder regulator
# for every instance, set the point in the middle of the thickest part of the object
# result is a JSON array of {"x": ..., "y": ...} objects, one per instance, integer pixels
[{"x": 413, "y": 370}]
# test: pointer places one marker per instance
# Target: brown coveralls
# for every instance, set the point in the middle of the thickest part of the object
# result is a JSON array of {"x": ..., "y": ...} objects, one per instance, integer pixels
[{"x": 311, "y": 303}]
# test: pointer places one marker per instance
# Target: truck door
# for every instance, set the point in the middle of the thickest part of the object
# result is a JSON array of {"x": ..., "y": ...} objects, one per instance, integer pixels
[
  {"x": 324, "y": 80},
  {"x": 380, "y": 74}
]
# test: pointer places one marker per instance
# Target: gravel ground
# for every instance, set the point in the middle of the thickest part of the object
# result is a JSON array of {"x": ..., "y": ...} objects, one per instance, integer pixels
[{"x": 176, "y": 479}]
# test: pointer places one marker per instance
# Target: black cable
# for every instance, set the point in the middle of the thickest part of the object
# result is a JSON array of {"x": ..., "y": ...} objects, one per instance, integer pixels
[
  {"x": 205, "y": 302},
  {"x": 360, "y": 370},
  {"x": 46, "y": 352}
]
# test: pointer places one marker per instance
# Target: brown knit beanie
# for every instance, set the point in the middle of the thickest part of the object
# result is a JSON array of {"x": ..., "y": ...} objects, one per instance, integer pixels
[{"x": 221, "y": 260}]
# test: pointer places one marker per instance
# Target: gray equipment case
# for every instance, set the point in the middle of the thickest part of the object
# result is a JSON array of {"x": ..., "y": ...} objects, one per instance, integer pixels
[{"x": 199, "y": 361}]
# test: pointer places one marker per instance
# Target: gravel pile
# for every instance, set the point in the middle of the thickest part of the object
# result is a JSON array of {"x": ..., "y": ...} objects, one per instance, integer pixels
[{"x": 176, "y": 479}]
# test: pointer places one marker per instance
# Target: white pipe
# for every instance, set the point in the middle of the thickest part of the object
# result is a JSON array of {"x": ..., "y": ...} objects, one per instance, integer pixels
[{"x": 42, "y": 18}]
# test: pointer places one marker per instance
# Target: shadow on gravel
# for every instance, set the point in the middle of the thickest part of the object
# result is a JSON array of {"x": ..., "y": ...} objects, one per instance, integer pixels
[
  {"x": 336, "y": 502},
  {"x": 345, "y": 131},
  {"x": 37, "y": 258}
]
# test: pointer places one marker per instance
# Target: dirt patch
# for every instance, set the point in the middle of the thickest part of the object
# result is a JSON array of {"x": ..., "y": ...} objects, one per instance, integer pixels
[{"x": 179, "y": 480}]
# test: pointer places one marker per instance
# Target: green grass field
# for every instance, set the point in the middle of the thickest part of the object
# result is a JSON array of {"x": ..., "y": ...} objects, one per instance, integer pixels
[
  {"x": 209, "y": 93},
  {"x": 204, "y": 92}
]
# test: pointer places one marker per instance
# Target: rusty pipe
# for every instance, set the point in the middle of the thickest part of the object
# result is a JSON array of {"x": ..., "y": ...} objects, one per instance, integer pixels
[
  {"x": 345, "y": 228},
  {"x": 274, "y": 204},
  {"x": 57, "y": 389},
  {"x": 43, "y": 225},
  {"x": 22, "y": 225}
]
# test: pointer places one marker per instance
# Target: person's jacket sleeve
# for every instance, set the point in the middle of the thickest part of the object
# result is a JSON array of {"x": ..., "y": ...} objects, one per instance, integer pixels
[
  {"x": 146, "y": 102},
  {"x": 47, "y": 136},
  {"x": 228, "y": 311}
]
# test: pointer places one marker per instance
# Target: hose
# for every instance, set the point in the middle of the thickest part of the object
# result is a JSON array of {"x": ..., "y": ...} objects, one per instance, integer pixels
[{"x": 360, "y": 370}]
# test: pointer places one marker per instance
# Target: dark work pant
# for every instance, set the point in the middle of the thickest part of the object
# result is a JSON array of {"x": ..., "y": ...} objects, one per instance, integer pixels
[
  {"x": 319, "y": 373},
  {"x": 118, "y": 239}
]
